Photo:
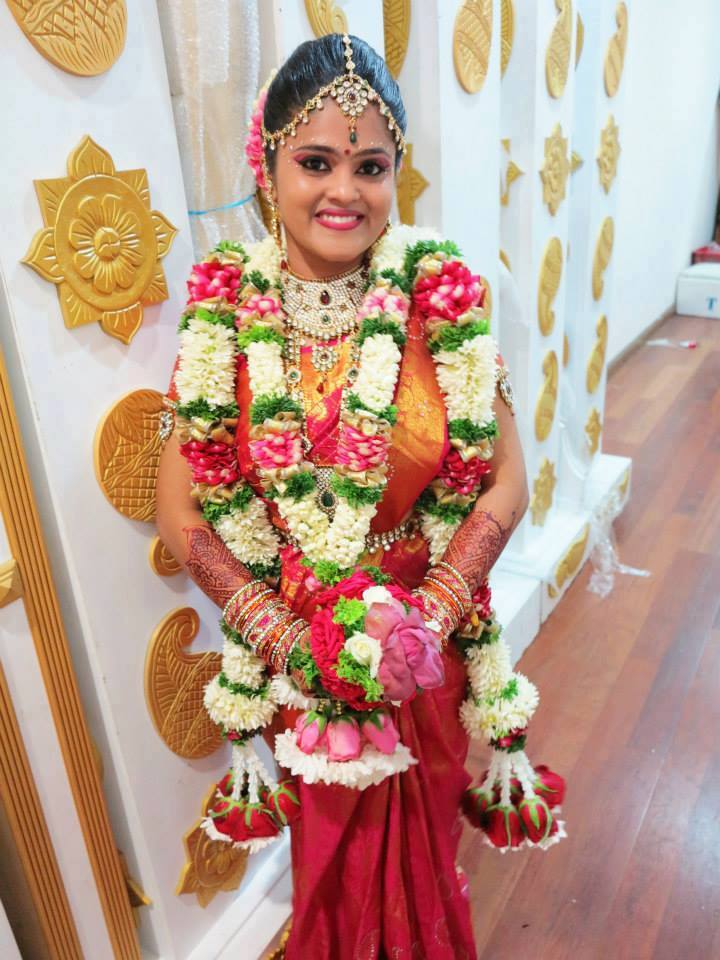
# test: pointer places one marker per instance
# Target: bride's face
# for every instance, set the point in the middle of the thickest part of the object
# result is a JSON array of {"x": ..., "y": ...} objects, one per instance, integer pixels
[{"x": 334, "y": 196}]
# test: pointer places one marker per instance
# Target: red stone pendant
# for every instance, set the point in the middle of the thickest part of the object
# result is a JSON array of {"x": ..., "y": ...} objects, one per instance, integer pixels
[{"x": 325, "y": 297}]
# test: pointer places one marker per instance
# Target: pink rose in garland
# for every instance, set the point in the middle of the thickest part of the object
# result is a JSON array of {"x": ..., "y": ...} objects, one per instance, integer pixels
[
  {"x": 259, "y": 306},
  {"x": 410, "y": 652},
  {"x": 211, "y": 463},
  {"x": 277, "y": 450},
  {"x": 382, "y": 300},
  {"x": 450, "y": 293},
  {"x": 215, "y": 278},
  {"x": 460, "y": 475}
]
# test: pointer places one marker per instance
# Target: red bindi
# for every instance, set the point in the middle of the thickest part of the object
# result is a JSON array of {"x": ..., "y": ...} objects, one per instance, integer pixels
[{"x": 347, "y": 152}]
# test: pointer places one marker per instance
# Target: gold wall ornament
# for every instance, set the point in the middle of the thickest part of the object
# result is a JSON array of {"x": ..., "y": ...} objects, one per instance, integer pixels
[
  {"x": 543, "y": 490},
  {"x": 11, "y": 586},
  {"x": 555, "y": 170},
  {"x": 325, "y": 17},
  {"x": 512, "y": 173},
  {"x": 472, "y": 37},
  {"x": 175, "y": 682},
  {"x": 102, "y": 243},
  {"x": 161, "y": 560},
  {"x": 576, "y": 161},
  {"x": 603, "y": 253},
  {"x": 42, "y": 606},
  {"x": 81, "y": 37},
  {"x": 507, "y": 33},
  {"x": 550, "y": 278},
  {"x": 557, "y": 57},
  {"x": 615, "y": 56},
  {"x": 566, "y": 350},
  {"x": 579, "y": 39},
  {"x": 127, "y": 453},
  {"x": 410, "y": 185},
  {"x": 609, "y": 154},
  {"x": 396, "y": 26},
  {"x": 570, "y": 562},
  {"x": 212, "y": 866},
  {"x": 506, "y": 260},
  {"x": 547, "y": 398},
  {"x": 593, "y": 429},
  {"x": 596, "y": 363}
]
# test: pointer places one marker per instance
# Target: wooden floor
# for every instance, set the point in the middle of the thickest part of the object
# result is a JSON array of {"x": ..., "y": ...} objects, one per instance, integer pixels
[{"x": 630, "y": 702}]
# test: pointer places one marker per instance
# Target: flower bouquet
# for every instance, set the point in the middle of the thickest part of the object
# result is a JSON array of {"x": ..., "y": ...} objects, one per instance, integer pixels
[{"x": 369, "y": 648}]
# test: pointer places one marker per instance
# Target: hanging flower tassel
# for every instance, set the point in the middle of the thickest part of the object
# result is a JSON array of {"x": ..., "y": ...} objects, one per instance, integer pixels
[
  {"x": 514, "y": 805},
  {"x": 251, "y": 809}
]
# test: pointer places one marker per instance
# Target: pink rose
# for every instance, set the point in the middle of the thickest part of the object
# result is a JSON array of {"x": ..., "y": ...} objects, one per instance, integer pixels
[
  {"x": 343, "y": 737},
  {"x": 422, "y": 652},
  {"x": 310, "y": 730},
  {"x": 381, "y": 732}
]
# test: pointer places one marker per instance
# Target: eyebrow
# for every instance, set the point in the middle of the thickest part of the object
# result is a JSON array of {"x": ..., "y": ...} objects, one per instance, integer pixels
[{"x": 324, "y": 148}]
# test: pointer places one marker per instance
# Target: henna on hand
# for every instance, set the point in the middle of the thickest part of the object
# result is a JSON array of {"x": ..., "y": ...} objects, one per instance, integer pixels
[
  {"x": 211, "y": 565},
  {"x": 477, "y": 544}
]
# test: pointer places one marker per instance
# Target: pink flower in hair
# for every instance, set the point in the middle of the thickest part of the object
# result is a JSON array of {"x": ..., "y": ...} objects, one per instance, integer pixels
[
  {"x": 254, "y": 148},
  {"x": 449, "y": 293},
  {"x": 382, "y": 300}
]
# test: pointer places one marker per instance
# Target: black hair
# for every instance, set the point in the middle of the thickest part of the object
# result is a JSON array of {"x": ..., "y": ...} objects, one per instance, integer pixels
[{"x": 316, "y": 63}]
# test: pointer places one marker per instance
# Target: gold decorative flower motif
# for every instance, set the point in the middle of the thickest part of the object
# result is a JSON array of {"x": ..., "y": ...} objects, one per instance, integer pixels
[
  {"x": 102, "y": 243},
  {"x": 555, "y": 170},
  {"x": 543, "y": 490},
  {"x": 609, "y": 153}
]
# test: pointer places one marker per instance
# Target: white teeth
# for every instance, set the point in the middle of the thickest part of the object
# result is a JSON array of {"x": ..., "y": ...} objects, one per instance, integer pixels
[{"x": 334, "y": 218}]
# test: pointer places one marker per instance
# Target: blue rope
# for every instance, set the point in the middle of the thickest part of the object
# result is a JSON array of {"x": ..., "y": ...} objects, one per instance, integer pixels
[{"x": 225, "y": 206}]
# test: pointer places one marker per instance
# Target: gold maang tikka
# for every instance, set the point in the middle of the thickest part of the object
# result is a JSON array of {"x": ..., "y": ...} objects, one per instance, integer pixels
[{"x": 352, "y": 94}]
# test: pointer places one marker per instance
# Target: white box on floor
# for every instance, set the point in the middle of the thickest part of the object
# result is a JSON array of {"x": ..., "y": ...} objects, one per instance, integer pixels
[{"x": 698, "y": 291}]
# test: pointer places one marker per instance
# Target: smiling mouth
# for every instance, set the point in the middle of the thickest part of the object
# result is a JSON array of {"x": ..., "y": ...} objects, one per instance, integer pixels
[{"x": 339, "y": 221}]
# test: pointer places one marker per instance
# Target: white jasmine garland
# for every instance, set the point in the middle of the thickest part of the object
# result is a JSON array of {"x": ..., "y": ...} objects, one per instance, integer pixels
[
  {"x": 389, "y": 252},
  {"x": 346, "y": 536},
  {"x": 264, "y": 257},
  {"x": 286, "y": 692},
  {"x": 241, "y": 665},
  {"x": 206, "y": 369},
  {"x": 366, "y": 650},
  {"x": 249, "y": 534},
  {"x": 379, "y": 364},
  {"x": 467, "y": 378},
  {"x": 499, "y": 717},
  {"x": 235, "y": 711},
  {"x": 265, "y": 368},
  {"x": 489, "y": 668},
  {"x": 438, "y": 534}
]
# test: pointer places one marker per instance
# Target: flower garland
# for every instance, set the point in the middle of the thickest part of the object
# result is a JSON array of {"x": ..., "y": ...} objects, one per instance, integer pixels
[{"x": 236, "y": 308}]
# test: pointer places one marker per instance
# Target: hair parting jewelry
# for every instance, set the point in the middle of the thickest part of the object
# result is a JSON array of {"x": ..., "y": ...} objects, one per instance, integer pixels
[{"x": 352, "y": 93}]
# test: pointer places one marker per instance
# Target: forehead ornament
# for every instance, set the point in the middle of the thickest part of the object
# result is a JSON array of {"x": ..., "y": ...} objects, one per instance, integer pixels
[{"x": 352, "y": 94}]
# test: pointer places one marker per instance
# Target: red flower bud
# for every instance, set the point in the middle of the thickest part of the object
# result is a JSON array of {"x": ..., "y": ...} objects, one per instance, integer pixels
[
  {"x": 284, "y": 802},
  {"x": 536, "y": 818},
  {"x": 550, "y": 786},
  {"x": 474, "y": 804},
  {"x": 241, "y": 821},
  {"x": 504, "y": 827}
]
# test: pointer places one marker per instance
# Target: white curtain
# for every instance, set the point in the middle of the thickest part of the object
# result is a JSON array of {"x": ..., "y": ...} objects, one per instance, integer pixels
[{"x": 212, "y": 49}]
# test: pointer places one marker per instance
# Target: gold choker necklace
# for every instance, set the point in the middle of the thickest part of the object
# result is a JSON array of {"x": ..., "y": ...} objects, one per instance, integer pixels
[{"x": 323, "y": 309}]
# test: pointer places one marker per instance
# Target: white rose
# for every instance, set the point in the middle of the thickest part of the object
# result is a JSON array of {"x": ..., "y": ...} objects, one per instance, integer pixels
[
  {"x": 366, "y": 650},
  {"x": 377, "y": 595}
]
